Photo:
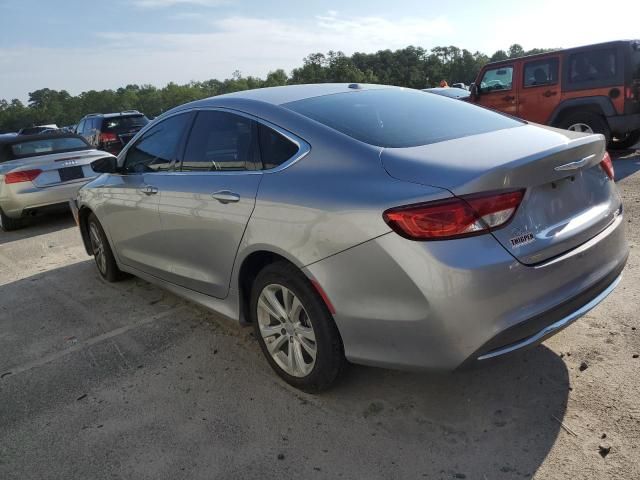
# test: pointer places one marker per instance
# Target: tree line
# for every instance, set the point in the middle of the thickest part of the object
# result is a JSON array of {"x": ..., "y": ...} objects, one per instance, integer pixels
[{"x": 413, "y": 67}]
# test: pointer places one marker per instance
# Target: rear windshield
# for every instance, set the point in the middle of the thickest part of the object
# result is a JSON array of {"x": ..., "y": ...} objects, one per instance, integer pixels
[
  {"x": 48, "y": 145},
  {"x": 400, "y": 118},
  {"x": 124, "y": 123}
]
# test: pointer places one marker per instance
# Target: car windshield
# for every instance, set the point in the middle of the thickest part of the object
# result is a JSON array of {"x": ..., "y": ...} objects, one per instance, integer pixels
[
  {"x": 400, "y": 118},
  {"x": 124, "y": 123},
  {"x": 48, "y": 145}
]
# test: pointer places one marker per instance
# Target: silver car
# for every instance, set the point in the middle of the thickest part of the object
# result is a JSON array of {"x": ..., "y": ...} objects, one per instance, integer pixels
[
  {"x": 365, "y": 223},
  {"x": 41, "y": 171}
]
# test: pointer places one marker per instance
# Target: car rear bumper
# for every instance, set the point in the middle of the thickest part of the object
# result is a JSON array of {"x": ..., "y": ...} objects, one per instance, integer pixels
[
  {"x": 624, "y": 123},
  {"x": 441, "y": 305},
  {"x": 18, "y": 199}
]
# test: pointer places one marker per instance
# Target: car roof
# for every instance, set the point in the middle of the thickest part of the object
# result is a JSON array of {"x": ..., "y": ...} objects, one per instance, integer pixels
[
  {"x": 291, "y": 93},
  {"x": 126, "y": 113},
  {"x": 615, "y": 43}
]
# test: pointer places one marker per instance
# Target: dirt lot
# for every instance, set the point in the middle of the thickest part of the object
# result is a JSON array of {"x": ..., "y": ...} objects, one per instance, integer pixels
[{"x": 127, "y": 381}]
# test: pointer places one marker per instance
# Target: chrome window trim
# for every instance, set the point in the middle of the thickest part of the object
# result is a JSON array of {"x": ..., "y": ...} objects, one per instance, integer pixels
[{"x": 303, "y": 147}]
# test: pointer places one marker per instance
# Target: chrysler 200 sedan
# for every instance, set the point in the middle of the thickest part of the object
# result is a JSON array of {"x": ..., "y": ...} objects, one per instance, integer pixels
[{"x": 365, "y": 223}]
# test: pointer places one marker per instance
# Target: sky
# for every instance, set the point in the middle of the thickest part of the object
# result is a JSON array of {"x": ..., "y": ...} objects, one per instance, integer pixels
[{"x": 80, "y": 45}]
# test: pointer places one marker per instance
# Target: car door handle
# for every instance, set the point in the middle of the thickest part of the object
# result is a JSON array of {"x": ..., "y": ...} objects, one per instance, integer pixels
[
  {"x": 508, "y": 98},
  {"x": 225, "y": 196},
  {"x": 148, "y": 190},
  {"x": 549, "y": 93}
]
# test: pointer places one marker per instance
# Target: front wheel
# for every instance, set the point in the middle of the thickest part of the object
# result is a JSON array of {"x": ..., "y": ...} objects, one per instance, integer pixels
[
  {"x": 625, "y": 141},
  {"x": 102, "y": 253},
  {"x": 295, "y": 330}
]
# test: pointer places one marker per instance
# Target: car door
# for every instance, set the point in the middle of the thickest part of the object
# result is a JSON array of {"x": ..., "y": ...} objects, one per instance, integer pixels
[
  {"x": 497, "y": 90},
  {"x": 206, "y": 207},
  {"x": 130, "y": 200},
  {"x": 540, "y": 92}
]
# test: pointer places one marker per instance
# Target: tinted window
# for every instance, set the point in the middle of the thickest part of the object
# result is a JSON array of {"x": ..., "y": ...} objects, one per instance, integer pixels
[
  {"x": 155, "y": 150},
  {"x": 124, "y": 123},
  {"x": 220, "y": 141},
  {"x": 500, "y": 78},
  {"x": 48, "y": 145},
  {"x": 541, "y": 72},
  {"x": 592, "y": 65},
  {"x": 274, "y": 148},
  {"x": 80, "y": 127},
  {"x": 394, "y": 117}
]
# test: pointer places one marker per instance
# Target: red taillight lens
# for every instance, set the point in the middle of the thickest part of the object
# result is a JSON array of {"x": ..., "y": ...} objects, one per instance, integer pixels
[
  {"x": 23, "y": 176},
  {"x": 607, "y": 165},
  {"x": 108, "y": 137},
  {"x": 455, "y": 217}
]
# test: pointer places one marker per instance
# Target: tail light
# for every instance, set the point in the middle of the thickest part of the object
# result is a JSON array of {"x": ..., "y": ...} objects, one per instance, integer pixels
[
  {"x": 22, "y": 176},
  {"x": 454, "y": 218},
  {"x": 108, "y": 137},
  {"x": 607, "y": 165}
]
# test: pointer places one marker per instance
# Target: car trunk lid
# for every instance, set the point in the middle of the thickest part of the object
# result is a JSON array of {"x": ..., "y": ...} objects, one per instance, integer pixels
[{"x": 569, "y": 198}]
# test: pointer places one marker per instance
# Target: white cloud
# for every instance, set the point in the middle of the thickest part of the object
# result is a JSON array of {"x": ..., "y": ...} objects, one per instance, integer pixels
[{"x": 253, "y": 45}]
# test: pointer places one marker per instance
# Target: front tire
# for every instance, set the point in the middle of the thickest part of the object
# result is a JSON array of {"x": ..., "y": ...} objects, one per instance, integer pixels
[
  {"x": 294, "y": 328},
  {"x": 587, "y": 122},
  {"x": 102, "y": 253},
  {"x": 9, "y": 224}
]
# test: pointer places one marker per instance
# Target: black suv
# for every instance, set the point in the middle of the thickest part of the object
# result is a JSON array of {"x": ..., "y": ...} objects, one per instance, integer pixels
[{"x": 111, "y": 131}]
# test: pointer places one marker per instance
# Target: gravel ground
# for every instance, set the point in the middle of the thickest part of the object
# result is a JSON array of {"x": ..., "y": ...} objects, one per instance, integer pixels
[{"x": 128, "y": 381}]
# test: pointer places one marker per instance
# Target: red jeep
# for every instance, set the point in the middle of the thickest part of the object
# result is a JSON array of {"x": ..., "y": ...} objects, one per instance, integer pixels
[{"x": 595, "y": 88}]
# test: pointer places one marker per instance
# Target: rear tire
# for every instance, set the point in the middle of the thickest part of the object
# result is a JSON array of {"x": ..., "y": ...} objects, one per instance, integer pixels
[
  {"x": 102, "y": 253},
  {"x": 587, "y": 122},
  {"x": 295, "y": 329},
  {"x": 8, "y": 224},
  {"x": 625, "y": 142}
]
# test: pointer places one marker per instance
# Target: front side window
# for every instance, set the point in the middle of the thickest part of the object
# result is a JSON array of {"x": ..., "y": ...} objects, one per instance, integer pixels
[
  {"x": 593, "y": 66},
  {"x": 220, "y": 141},
  {"x": 275, "y": 149},
  {"x": 541, "y": 72},
  {"x": 157, "y": 148},
  {"x": 80, "y": 127},
  {"x": 497, "y": 79}
]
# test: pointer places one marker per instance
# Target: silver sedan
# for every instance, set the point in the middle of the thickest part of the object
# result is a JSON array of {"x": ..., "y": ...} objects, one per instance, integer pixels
[
  {"x": 365, "y": 223},
  {"x": 42, "y": 171}
]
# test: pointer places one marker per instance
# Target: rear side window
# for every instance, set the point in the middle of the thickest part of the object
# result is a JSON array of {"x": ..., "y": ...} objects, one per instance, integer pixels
[
  {"x": 275, "y": 149},
  {"x": 117, "y": 124},
  {"x": 593, "y": 66},
  {"x": 500, "y": 78},
  {"x": 399, "y": 118},
  {"x": 220, "y": 141},
  {"x": 48, "y": 145},
  {"x": 157, "y": 148},
  {"x": 541, "y": 72}
]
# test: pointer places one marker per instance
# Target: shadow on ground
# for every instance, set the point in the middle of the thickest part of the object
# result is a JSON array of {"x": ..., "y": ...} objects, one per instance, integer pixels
[
  {"x": 153, "y": 387},
  {"x": 40, "y": 225},
  {"x": 626, "y": 163}
]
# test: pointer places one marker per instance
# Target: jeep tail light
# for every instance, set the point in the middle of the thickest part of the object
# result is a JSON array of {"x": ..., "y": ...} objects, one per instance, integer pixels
[
  {"x": 607, "y": 165},
  {"x": 455, "y": 217},
  {"x": 22, "y": 176},
  {"x": 108, "y": 137}
]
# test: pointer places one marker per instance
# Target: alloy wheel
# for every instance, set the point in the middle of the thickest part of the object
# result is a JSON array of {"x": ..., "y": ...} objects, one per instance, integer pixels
[
  {"x": 98, "y": 248},
  {"x": 580, "y": 127},
  {"x": 287, "y": 330}
]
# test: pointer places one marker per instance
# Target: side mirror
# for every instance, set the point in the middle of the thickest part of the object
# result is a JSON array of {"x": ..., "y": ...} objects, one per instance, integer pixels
[
  {"x": 105, "y": 165},
  {"x": 474, "y": 91}
]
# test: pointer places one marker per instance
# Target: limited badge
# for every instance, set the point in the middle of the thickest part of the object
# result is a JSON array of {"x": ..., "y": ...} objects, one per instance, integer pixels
[{"x": 521, "y": 240}]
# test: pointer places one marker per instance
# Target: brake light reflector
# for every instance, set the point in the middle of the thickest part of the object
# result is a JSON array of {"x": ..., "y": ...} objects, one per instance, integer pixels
[
  {"x": 108, "y": 137},
  {"x": 607, "y": 165},
  {"x": 22, "y": 176},
  {"x": 455, "y": 217}
]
